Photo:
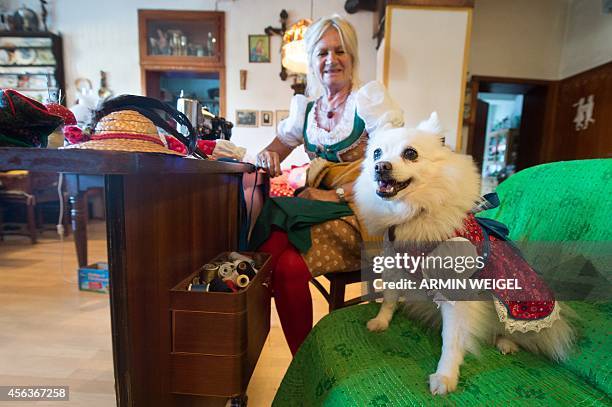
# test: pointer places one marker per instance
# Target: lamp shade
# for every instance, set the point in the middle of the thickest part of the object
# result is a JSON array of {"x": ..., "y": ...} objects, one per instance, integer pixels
[{"x": 294, "y": 51}]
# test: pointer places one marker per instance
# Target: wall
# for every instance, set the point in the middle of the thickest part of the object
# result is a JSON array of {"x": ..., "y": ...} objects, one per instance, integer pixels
[
  {"x": 518, "y": 38},
  {"x": 425, "y": 66},
  {"x": 588, "y": 38},
  {"x": 103, "y": 35},
  {"x": 574, "y": 142}
]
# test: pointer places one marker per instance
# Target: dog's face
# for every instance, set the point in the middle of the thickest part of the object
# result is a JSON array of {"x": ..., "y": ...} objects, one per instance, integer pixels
[
  {"x": 400, "y": 160},
  {"x": 406, "y": 171}
]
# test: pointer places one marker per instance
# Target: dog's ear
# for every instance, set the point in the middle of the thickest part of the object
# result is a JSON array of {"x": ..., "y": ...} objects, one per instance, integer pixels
[{"x": 432, "y": 125}]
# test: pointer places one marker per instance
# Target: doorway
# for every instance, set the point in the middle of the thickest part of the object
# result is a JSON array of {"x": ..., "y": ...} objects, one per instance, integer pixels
[{"x": 508, "y": 129}]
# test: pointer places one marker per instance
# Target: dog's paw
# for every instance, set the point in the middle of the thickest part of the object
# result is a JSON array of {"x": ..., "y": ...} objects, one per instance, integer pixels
[
  {"x": 440, "y": 384},
  {"x": 377, "y": 325},
  {"x": 506, "y": 346}
]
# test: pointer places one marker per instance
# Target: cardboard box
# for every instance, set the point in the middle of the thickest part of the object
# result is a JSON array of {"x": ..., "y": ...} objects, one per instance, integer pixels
[{"x": 94, "y": 277}]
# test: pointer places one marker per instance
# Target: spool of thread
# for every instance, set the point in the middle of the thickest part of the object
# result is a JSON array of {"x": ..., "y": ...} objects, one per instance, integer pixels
[
  {"x": 232, "y": 277},
  {"x": 198, "y": 287},
  {"x": 208, "y": 272},
  {"x": 245, "y": 268},
  {"x": 231, "y": 285},
  {"x": 226, "y": 269},
  {"x": 243, "y": 280},
  {"x": 219, "y": 286},
  {"x": 233, "y": 256}
]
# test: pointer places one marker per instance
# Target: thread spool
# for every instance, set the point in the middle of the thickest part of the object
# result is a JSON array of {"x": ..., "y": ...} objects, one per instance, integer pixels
[
  {"x": 218, "y": 285},
  {"x": 231, "y": 285},
  {"x": 244, "y": 267},
  {"x": 208, "y": 272},
  {"x": 233, "y": 277},
  {"x": 233, "y": 256},
  {"x": 243, "y": 280},
  {"x": 226, "y": 269},
  {"x": 198, "y": 287}
]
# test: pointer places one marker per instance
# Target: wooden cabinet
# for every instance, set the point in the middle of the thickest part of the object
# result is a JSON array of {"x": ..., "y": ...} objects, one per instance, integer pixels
[
  {"x": 183, "y": 51},
  {"x": 32, "y": 63}
]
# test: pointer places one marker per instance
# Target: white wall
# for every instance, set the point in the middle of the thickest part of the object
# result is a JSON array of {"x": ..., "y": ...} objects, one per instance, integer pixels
[
  {"x": 426, "y": 49},
  {"x": 518, "y": 38},
  {"x": 588, "y": 38},
  {"x": 103, "y": 35}
]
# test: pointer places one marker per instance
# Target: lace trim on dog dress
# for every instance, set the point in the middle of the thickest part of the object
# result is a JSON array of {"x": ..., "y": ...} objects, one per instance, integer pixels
[{"x": 534, "y": 307}]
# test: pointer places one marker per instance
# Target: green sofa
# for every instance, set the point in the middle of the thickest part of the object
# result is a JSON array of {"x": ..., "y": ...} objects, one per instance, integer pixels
[{"x": 342, "y": 364}]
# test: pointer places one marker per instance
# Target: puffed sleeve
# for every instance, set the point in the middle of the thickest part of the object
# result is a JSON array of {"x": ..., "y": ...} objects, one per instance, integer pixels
[
  {"x": 377, "y": 109},
  {"x": 290, "y": 130}
]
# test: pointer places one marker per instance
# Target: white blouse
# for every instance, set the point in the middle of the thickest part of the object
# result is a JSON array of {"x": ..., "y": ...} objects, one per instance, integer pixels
[{"x": 372, "y": 103}]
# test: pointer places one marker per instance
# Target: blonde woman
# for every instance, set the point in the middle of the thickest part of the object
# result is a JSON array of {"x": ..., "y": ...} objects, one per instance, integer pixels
[{"x": 317, "y": 232}]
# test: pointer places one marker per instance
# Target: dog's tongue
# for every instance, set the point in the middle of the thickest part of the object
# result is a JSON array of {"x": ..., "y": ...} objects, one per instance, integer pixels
[{"x": 385, "y": 187}]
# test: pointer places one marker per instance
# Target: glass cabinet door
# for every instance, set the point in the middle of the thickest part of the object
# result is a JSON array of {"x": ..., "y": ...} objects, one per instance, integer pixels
[{"x": 191, "y": 37}]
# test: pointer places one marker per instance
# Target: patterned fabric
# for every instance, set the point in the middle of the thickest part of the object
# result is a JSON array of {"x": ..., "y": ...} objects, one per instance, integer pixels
[
  {"x": 341, "y": 363},
  {"x": 535, "y": 301}
]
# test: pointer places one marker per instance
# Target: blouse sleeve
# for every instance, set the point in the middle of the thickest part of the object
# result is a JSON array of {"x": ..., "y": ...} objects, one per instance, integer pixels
[
  {"x": 290, "y": 130},
  {"x": 377, "y": 109}
]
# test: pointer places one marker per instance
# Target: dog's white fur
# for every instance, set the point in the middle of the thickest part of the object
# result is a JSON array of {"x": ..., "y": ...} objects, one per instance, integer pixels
[{"x": 444, "y": 187}]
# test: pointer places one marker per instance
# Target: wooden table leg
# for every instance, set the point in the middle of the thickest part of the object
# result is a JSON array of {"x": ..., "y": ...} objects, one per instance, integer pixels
[{"x": 79, "y": 226}]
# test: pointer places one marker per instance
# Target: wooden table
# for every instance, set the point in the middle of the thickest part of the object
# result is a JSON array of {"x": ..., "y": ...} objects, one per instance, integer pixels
[{"x": 165, "y": 217}]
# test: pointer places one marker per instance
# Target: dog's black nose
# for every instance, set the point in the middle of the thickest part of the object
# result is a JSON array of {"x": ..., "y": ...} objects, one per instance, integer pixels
[{"x": 382, "y": 167}]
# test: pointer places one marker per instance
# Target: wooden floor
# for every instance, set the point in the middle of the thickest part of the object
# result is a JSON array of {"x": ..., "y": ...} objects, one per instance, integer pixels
[{"x": 53, "y": 334}]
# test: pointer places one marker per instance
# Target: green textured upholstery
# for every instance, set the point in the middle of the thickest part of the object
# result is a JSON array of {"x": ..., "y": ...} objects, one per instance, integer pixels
[{"x": 342, "y": 364}]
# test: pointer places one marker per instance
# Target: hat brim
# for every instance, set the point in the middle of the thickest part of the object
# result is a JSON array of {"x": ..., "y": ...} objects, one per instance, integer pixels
[{"x": 127, "y": 145}]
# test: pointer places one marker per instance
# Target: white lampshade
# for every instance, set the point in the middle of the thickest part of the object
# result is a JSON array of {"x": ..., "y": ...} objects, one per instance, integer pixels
[
  {"x": 294, "y": 51},
  {"x": 294, "y": 57}
]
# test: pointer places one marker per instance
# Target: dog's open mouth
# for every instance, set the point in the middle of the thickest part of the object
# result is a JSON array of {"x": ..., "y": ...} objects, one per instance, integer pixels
[{"x": 388, "y": 188}]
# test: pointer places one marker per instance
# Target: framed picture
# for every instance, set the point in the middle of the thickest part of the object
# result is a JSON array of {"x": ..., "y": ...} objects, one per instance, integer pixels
[
  {"x": 281, "y": 115},
  {"x": 259, "y": 48},
  {"x": 246, "y": 118},
  {"x": 267, "y": 117}
]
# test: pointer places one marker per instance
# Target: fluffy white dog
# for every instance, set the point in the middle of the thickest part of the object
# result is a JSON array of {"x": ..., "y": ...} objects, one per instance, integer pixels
[{"x": 413, "y": 184}]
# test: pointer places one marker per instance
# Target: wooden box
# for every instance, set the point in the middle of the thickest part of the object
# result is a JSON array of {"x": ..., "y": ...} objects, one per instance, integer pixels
[{"x": 217, "y": 337}]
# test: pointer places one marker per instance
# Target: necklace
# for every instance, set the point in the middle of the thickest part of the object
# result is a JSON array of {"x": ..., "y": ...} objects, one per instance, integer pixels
[{"x": 331, "y": 112}]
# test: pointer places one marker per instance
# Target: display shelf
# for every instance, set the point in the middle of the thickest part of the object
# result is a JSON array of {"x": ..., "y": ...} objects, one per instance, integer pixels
[{"x": 14, "y": 74}]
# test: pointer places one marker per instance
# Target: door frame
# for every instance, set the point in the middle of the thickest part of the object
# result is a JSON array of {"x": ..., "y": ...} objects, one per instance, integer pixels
[{"x": 478, "y": 84}]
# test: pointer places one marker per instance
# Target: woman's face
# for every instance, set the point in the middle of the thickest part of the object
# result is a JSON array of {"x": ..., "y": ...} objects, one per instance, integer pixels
[{"x": 333, "y": 64}]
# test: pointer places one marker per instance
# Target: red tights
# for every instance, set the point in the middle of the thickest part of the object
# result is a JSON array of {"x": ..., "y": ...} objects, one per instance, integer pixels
[{"x": 290, "y": 278}]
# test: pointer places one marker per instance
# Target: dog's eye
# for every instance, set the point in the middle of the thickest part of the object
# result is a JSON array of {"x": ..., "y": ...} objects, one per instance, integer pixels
[
  {"x": 377, "y": 153},
  {"x": 410, "y": 154}
]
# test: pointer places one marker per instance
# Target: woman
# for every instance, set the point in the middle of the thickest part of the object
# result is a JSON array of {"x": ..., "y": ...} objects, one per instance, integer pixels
[{"x": 334, "y": 129}]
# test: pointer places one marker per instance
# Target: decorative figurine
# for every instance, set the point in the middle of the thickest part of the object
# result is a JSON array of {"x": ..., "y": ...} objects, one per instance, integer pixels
[{"x": 44, "y": 14}]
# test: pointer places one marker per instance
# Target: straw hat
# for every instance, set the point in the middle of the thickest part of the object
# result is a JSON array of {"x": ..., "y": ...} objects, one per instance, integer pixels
[{"x": 125, "y": 130}]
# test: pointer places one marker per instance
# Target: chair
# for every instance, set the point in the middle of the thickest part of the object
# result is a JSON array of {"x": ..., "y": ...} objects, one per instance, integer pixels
[{"x": 31, "y": 190}]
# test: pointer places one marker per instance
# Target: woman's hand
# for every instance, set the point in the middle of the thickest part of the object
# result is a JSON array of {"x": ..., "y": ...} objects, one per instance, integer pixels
[
  {"x": 319, "y": 195},
  {"x": 269, "y": 161}
]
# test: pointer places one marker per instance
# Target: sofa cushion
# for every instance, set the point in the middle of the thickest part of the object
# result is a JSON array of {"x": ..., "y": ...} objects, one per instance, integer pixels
[{"x": 341, "y": 363}]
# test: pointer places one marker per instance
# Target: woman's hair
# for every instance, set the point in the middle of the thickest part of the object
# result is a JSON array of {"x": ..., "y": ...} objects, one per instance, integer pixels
[{"x": 348, "y": 37}]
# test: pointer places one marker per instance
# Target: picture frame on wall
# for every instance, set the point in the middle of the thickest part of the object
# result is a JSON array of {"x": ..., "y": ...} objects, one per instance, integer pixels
[
  {"x": 281, "y": 115},
  {"x": 267, "y": 117},
  {"x": 259, "y": 48},
  {"x": 246, "y": 118}
]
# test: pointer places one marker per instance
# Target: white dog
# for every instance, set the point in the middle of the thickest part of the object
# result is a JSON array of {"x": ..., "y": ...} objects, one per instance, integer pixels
[{"x": 412, "y": 183}]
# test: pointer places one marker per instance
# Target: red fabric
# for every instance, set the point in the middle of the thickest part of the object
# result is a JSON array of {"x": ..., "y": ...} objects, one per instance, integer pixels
[
  {"x": 175, "y": 145},
  {"x": 535, "y": 300},
  {"x": 63, "y": 112},
  {"x": 74, "y": 134},
  {"x": 207, "y": 146},
  {"x": 290, "y": 278}
]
